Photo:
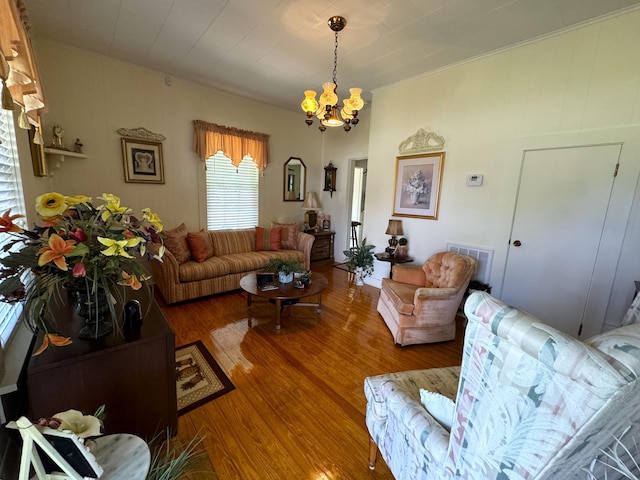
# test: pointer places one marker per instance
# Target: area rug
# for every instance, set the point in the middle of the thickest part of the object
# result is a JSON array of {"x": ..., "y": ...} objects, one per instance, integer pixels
[{"x": 199, "y": 379}]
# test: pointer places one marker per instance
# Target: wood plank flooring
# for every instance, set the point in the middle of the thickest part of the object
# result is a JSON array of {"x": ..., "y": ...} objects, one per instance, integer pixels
[{"x": 298, "y": 410}]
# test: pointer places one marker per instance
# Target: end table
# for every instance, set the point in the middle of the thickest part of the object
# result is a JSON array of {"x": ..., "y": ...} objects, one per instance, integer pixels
[{"x": 388, "y": 257}]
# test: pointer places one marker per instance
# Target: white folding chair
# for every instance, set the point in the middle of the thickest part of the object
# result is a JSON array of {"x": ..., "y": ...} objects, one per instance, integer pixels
[{"x": 112, "y": 457}]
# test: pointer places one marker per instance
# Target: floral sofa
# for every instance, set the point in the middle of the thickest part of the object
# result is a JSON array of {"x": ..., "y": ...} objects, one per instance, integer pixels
[
  {"x": 196, "y": 264},
  {"x": 530, "y": 403}
]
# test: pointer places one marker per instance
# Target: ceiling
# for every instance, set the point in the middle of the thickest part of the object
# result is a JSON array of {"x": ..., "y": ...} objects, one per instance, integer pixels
[{"x": 273, "y": 50}]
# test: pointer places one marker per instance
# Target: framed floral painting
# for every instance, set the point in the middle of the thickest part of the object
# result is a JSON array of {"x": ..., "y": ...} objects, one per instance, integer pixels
[
  {"x": 417, "y": 185},
  {"x": 142, "y": 161}
]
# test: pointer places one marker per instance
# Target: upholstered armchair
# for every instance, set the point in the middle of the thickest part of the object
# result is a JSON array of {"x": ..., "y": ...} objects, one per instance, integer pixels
[
  {"x": 530, "y": 403},
  {"x": 419, "y": 304}
]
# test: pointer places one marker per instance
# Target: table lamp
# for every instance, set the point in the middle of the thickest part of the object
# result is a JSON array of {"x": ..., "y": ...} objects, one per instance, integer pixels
[
  {"x": 311, "y": 204},
  {"x": 394, "y": 228}
]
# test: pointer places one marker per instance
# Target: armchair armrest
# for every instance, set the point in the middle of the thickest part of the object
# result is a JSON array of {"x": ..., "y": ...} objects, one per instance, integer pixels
[
  {"x": 420, "y": 426},
  {"x": 305, "y": 243},
  {"x": 409, "y": 274},
  {"x": 435, "y": 293}
]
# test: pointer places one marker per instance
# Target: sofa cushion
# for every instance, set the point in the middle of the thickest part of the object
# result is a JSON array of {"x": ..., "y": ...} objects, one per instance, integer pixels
[
  {"x": 401, "y": 295},
  {"x": 176, "y": 242},
  {"x": 440, "y": 380},
  {"x": 200, "y": 245},
  {"x": 250, "y": 261},
  {"x": 210, "y": 268},
  {"x": 268, "y": 238},
  {"x": 289, "y": 237},
  {"x": 233, "y": 241}
]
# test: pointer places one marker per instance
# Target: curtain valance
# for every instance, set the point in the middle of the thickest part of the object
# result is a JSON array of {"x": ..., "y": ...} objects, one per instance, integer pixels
[
  {"x": 209, "y": 138},
  {"x": 18, "y": 71}
]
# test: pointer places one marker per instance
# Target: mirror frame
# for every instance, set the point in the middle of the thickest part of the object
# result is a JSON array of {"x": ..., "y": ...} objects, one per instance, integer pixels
[{"x": 302, "y": 184}]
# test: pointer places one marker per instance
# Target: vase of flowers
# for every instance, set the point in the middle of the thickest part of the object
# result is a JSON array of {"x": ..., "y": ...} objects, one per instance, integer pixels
[
  {"x": 93, "y": 307},
  {"x": 416, "y": 186},
  {"x": 91, "y": 250}
]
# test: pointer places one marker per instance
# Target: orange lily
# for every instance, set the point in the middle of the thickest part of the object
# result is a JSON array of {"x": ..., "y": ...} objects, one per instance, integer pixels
[
  {"x": 132, "y": 281},
  {"x": 7, "y": 225},
  {"x": 57, "y": 249},
  {"x": 52, "y": 339}
]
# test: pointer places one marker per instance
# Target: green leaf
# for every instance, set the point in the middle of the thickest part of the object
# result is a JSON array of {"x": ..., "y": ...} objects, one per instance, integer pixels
[
  {"x": 81, "y": 249},
  {"x": 10, "y": 285}
]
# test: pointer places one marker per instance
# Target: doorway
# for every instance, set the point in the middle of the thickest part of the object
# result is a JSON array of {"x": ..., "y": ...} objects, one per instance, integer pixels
[
  {"x": 556, "y": 243},
  {"x": 358, "y": 174}
]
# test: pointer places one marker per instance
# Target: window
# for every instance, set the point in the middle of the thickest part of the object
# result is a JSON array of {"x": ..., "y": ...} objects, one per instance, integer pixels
[
  {"x": 232, "y": 194},
  {"x": 11, "y": 197}
]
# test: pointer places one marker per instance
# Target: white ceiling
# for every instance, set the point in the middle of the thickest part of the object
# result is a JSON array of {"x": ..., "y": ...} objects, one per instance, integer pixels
[{"x": 273, "y": 50}]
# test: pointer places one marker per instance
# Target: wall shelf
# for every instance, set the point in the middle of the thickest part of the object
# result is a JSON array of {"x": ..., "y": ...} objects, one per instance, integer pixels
[{"x": 60, "y": 156}]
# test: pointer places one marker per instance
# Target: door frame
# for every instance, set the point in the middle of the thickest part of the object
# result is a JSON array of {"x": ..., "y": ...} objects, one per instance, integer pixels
[
  {"x": 621, "y": 202},
  {"x": 351, "y": 176}
]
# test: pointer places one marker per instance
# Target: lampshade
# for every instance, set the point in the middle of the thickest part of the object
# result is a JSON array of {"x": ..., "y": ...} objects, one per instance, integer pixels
[
  {"x": 311, "y": 202},
  {"x": 394, "y": 227}
]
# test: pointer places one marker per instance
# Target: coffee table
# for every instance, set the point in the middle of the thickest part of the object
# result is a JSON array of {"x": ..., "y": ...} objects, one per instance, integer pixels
[{"x": 285, "y": 294}]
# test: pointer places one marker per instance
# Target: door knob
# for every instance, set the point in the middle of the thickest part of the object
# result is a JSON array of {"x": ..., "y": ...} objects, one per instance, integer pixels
[{"x": 517, "y": 243}]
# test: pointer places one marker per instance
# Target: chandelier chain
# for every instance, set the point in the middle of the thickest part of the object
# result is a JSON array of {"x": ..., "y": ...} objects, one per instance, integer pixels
[{"x": 335, "y": 60}]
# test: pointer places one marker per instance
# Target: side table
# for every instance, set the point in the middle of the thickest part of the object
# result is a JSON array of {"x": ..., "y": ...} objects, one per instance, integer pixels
[
  {"x": 387, "y": 257},
  {"x": 322, "y": 249},
  {"x": 133, "y": 376}
]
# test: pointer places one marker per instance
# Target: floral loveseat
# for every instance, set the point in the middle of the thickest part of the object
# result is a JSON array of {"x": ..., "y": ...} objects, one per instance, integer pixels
[
  {"x": 196, "y": 264},
  {"x": 530, "y": 402}
]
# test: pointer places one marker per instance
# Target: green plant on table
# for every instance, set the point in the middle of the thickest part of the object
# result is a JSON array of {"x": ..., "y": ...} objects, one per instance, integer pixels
[
  {"x": 361, "y": 257},
  {"x": 286, "y": 266}
]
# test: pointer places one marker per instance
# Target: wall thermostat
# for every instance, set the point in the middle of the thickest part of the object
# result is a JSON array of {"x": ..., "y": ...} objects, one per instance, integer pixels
[{"x": 474, "y": 180}]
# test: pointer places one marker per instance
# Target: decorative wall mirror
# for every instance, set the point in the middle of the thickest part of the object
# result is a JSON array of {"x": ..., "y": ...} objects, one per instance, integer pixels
[{"x": 295, "y": 180}]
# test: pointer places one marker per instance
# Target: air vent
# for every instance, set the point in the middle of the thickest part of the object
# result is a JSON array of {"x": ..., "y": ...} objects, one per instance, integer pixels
[{"x": 484, "y": 257}]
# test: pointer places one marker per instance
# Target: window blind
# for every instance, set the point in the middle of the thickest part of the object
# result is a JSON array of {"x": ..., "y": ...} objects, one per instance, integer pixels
[
  {"x": 11, "y": 197},
  {"x": 232, "y": 194}
]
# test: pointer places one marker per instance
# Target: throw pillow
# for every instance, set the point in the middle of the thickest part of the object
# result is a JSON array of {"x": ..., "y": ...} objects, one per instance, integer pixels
[
  {"x": 176, "y": 242},
  {"x": 289, "y": 236},
  {"x": 200, "y": 245},
  {"x": 268, "y": 238},
  {"x": 441, "y": 408}
]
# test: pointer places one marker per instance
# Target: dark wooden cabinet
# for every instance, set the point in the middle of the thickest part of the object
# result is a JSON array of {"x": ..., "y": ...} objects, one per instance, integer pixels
[
  {"x": 133, "y": 376},
  {"x": 322, "y": 250}
]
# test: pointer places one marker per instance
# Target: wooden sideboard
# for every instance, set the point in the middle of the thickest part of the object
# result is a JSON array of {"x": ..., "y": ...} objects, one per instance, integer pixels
[
  {"x": 322, "y": 250},
  {"x": 133, "y": 376}
]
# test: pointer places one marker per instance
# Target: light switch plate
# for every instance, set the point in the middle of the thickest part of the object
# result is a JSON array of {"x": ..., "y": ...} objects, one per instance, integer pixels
[{"x": 474, "y": 180}]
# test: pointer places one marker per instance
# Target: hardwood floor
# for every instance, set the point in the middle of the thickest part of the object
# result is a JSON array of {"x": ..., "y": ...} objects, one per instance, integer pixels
[{"x": 298, "y": 410}]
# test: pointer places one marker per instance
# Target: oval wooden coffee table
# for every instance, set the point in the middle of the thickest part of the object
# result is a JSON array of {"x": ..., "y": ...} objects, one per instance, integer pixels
[{"x": 286, "y": 294}]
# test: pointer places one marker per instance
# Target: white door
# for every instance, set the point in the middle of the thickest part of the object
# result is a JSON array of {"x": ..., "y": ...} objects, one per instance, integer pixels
[{"x": 557, "y": 229}]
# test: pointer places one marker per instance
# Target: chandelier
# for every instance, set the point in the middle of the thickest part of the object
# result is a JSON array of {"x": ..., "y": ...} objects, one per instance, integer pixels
[{"x": 327, "y": 109}]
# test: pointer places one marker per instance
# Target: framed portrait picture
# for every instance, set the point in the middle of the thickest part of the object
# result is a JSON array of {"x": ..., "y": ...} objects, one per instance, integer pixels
[
  {"x": 142, "y": 161},
  {"x": 417, "y": 185}
]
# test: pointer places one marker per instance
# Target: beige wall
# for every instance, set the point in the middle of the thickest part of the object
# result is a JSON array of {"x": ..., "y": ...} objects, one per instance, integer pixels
[
  {"x": 92, "y": 96},
  {"x": 581, "y": 81}
]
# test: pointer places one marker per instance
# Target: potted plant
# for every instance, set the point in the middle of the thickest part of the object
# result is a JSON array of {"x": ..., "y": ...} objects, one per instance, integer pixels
[
  {"x": 402, "y": 251},
  {"x": 285, "y": 268},
  {"x": 360, "y": 260}
]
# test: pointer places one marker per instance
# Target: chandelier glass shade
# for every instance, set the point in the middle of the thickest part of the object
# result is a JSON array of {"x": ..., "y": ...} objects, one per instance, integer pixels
[{"x": 326, "y": 108}]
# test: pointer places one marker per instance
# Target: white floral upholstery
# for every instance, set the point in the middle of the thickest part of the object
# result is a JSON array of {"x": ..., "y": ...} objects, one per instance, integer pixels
[{"x": 531, "y": 402}]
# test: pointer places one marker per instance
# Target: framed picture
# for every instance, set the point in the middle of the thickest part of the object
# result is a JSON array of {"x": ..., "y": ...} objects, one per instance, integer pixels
[
  {"x": 417, "y": 185},
  {"x": 142, "y": 161}
]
